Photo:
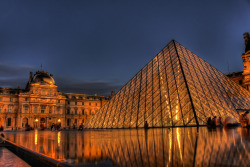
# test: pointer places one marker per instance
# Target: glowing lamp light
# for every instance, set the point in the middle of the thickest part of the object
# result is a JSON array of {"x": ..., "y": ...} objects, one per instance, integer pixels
[
  {"x": 59, "y": 120},
  {"x": 36, "y": 120}
]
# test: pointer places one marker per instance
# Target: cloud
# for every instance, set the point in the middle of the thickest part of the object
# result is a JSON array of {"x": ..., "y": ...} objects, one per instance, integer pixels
[
  {"x": 11, "y": 77},
  {"x": 13, "y": 82},
  {"x": 10, "y": 71},
  {"x": 86, "y": 87}
]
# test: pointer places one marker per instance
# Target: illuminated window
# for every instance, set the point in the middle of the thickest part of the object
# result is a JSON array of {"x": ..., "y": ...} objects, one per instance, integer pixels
[
  {"x": 35, "y": 110},
  {"x": 10, "y": 108},
  {"x": 50, "y": 110},
  {"x": 26, "y": 109},
  {"x": 36, "y": 91},
  {"x": 50, "y": 92},
  {"x": 58, "y": 110},
  {"x": 43, "y": 109}
]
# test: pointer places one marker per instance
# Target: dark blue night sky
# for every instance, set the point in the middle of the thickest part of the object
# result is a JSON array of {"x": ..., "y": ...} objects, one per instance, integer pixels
[{"x": 96, "y": 46}]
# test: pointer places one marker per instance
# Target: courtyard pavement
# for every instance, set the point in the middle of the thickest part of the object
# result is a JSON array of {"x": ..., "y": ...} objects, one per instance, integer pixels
[{"x": 9, "y": 159}]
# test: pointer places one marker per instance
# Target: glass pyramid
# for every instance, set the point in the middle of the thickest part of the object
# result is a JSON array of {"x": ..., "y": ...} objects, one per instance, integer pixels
[{"x": 176, "y": 88}]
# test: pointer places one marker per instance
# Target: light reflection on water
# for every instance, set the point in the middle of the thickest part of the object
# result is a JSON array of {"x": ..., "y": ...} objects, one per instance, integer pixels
[{"x": 154, "y": 147}]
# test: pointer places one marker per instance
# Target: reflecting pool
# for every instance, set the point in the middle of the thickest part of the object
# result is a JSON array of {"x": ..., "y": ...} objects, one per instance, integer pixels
[{"x": 153, "y": 147}]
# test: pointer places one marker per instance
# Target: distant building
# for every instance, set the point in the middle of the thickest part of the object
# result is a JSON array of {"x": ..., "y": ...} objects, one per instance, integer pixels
[{"x": 40, "y": 105}]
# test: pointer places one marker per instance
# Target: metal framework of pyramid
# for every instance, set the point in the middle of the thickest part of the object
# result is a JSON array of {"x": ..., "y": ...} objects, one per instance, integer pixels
[{"x": 176, "y": 88}]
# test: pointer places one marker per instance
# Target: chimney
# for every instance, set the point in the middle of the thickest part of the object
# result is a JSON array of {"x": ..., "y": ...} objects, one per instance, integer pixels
[
  {"x": 247, "y": 41},
  {"x": 112, "y": 93},
  {"x": 30, "y": 76}
]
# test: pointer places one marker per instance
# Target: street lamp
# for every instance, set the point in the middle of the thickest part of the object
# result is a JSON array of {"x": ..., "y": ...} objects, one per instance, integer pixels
[
  {"x": 36, "y": 120},
  {"x": 59, "y": 120}
]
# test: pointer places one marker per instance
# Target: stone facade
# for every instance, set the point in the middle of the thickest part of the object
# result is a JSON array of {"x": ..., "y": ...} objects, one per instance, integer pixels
[
  {"x": 40, "y": 105},
  {"x": 246, "y": 71},
  {"x": 243, "y": 77}
]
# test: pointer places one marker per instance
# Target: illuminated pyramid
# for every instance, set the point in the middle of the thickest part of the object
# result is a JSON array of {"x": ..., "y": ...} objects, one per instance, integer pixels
[{"x": 176, "y": 88}]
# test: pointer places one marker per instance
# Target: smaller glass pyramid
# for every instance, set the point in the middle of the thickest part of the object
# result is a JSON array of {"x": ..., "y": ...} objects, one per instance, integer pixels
[{"x": 176, "y": 88}]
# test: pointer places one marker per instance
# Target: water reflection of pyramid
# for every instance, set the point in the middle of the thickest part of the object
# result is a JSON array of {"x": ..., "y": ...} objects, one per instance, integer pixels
[{"x": 176, "y": 88}]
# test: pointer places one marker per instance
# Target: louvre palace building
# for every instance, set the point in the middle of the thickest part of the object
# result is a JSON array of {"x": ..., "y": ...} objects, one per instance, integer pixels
[{"x": 40, "y": 105}]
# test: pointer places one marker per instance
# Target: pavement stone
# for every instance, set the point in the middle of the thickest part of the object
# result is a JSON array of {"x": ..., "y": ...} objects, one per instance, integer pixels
[{"x": 9, "y": 159}]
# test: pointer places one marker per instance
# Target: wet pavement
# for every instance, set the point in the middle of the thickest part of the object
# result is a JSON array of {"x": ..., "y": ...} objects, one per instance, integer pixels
[{"x": 9, "y": 159}]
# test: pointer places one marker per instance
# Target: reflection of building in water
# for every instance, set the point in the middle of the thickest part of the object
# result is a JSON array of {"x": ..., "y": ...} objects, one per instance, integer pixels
[
  {"x": 41, "y": 105},
  {"x": 60, "y": 145},
  {"x": 156, "y": 147}
]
